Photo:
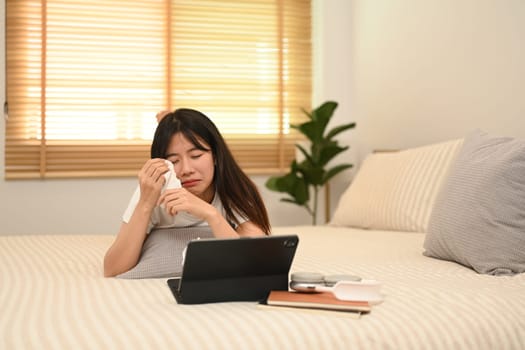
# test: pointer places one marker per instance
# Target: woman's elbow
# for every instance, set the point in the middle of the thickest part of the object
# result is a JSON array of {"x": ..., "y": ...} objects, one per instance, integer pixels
[
  {"x": 109, "y": 267},
  {"x": 108, "y": 272}
]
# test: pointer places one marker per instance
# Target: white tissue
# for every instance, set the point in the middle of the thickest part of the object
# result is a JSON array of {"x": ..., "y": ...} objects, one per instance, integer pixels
[{"x": 171, "y": 178}]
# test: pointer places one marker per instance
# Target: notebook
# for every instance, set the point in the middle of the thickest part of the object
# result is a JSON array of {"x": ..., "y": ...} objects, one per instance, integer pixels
[{"x": 234, "y": 269}]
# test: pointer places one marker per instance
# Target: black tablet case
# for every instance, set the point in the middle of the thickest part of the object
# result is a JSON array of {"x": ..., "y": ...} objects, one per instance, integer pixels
[{"x": 237, "y": 269}]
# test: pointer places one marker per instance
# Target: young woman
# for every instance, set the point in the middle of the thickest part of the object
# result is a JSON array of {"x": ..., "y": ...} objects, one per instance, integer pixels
[{"x": 215, "y": 191}]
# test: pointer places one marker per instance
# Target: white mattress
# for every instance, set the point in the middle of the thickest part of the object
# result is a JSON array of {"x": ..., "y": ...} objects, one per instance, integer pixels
[{"x": 53, "y": 296}]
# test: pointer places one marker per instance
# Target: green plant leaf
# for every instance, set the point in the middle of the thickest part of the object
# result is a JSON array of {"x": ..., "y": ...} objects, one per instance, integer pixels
[
  {"x": 327, "y": 107},
  {"x": 289, "y": 200},
  {"x": 334, "y": 171},
  {"x": 321, "y": 116},
  {"x": 310, "y": 174},
  {"x": 329, "y": 152},
  {"x": 284, "y": 183},
  {"x": 271, "y": 184},
  {"x": 301, "y": 193},
  {"x": 304, "y": 152},
  {"x": 338, "y": 130},
  {"x": 308, "y": 114},
  {"x": 291, "y": 184},
  {"x": 309, "y": 129}
]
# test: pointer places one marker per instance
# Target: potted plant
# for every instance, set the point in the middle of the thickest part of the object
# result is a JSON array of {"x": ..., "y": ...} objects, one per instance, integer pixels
[{"x": 311, "y": 174}]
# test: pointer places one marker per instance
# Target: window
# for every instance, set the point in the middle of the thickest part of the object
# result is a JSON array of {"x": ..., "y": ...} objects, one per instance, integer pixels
[{"x": 86, "y": 78}]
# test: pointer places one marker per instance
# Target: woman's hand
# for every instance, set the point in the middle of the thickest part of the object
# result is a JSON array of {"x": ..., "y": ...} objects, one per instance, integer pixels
[
  {"x": 180, "y": 199},
  {"x": 151, "y": 179}
]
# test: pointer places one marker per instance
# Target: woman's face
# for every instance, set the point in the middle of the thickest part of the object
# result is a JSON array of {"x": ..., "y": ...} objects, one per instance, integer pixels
[{"x": 194, "y": 167}]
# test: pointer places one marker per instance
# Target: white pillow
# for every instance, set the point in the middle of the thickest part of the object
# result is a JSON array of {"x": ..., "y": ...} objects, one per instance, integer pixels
[{"x": 396, "y": 190}]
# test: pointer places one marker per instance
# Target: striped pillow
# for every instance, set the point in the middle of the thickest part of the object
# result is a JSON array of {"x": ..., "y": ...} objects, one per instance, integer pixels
[
  {"x": 479, "y": 216},
  {"x": 396, "y": 190}
]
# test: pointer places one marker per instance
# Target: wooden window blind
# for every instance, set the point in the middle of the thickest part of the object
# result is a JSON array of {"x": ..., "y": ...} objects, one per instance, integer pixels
[{"x": 85, "y": 79}]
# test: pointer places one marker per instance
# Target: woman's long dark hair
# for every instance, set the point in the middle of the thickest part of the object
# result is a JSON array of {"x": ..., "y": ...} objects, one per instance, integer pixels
[{"x": 236, "y": 190}]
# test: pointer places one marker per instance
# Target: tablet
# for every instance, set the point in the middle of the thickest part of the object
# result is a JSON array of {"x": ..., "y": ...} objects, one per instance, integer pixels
[{"x": 234, "y": 269}]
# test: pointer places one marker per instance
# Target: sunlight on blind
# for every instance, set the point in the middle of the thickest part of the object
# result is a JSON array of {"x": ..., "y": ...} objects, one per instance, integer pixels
[{"x": 86, "y": 78}]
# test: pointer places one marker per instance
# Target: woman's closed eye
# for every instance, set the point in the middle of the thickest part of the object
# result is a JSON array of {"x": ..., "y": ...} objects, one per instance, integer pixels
[
  {"x": 196, "y": 156},
  {"x": 193, "y": 156}
]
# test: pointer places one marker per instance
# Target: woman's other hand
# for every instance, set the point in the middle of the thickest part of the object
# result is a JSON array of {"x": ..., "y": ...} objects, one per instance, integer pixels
[{"x": 180, "y": 199}]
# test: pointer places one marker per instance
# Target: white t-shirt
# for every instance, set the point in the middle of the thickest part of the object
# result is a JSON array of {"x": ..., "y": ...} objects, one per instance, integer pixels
[{"x": 161, "y": 219}]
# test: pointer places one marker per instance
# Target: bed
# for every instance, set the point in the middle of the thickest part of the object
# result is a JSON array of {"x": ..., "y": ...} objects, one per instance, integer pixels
[{"x": 53, "y": 295}]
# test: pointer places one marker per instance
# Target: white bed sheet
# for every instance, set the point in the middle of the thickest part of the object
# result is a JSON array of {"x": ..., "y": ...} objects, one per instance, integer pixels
[{"x": 53, "y": 296}]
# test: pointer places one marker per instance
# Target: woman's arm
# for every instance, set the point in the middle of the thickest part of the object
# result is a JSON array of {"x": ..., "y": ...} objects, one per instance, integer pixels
[
  {"x": 249, "y": 229},
  {"x": 180, "y": 199},
  {"x": 124, "y": 253},
  {"x": 222, "y": 229}
]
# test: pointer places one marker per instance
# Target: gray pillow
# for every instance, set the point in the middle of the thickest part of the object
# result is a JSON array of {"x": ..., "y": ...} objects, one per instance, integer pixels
[
  {"x": 161, "y": 254},
  {"x": 478, "y": 218}
]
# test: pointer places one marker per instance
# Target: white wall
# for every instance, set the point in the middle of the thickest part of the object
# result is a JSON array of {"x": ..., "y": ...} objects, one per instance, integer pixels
[
  {"x": 409, "y": 72},
  {"x": 431, "y": 70}
]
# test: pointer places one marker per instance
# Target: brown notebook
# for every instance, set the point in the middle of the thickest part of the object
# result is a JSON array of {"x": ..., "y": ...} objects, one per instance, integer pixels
[{"x": 323, "y": 300}]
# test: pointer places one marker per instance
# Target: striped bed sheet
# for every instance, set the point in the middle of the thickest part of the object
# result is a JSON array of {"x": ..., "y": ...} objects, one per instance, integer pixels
[{"x": 53, "y": 296}]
